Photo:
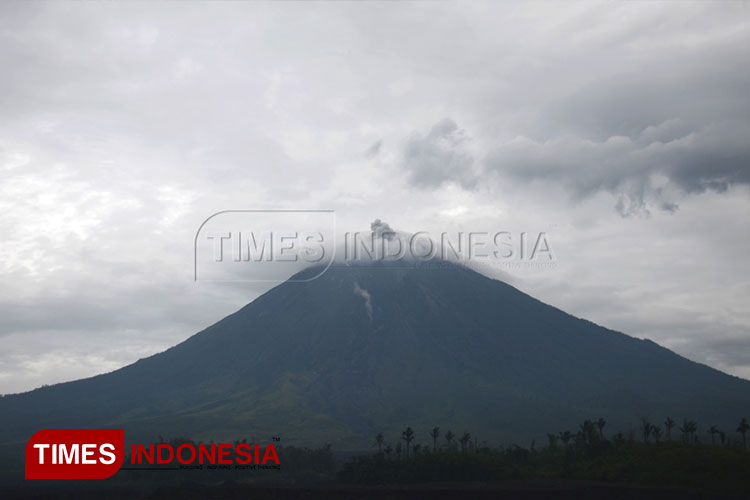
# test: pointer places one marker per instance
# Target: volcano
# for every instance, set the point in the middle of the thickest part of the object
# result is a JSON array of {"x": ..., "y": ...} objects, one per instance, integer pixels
[{"x": 365, "y": 349}]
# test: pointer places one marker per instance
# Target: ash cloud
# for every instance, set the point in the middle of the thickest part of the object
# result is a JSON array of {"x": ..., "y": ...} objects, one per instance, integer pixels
[{"x": 382, "y": 230}]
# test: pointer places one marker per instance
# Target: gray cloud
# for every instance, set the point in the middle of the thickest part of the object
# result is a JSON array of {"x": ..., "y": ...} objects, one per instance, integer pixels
[
  {"x": 642, "y": 171},
  {"x": 439, "y": 156},
  {"x": 649, "y": 169},
  {"x": 650, "y": 111},
  {"x": 374, "y": 150}
]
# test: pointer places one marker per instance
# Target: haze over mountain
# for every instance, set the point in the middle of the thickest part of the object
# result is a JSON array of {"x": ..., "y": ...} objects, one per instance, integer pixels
[{"x": 371, "y": 348}]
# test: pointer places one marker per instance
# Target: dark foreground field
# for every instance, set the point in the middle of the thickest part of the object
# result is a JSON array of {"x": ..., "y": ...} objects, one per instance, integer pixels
[{"x": 574, "y": 490}]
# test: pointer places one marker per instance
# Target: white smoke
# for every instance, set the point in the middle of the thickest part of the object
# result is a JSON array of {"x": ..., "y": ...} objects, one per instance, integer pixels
[{"x": 368, "y": 299}]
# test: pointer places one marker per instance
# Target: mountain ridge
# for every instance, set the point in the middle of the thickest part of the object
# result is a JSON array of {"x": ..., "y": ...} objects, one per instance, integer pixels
[{"x": 368, "y": 348}]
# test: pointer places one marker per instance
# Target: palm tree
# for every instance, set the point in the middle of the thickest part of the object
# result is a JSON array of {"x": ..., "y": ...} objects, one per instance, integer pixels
[
  {"x": 464, "y": 441},
  {"x": 645, "y": 428},
  {"x": 656, "y": 432},
  {"x": 552, "y": 441},
  {"x": 587, "y": 431},
  {"x": 687, "y": 429},
  {"x": 668, "y": 424},
  {"x": 449, "y": 437},
  {"x": 379, "y": 441},
  {"x": 692, "y": 428},
  {"x": 713, "y": 431},
  {"x": 742, "y": 429},
  {"x": 565, "y": 437},
  {"x": 600, "y": 425},
  {"x": 435, "y": 434},
  {"x": 408, "y": 436}
]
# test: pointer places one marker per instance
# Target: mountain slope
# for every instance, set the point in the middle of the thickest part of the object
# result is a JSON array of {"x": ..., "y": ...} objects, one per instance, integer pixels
[{"x": 364, "y": 349}]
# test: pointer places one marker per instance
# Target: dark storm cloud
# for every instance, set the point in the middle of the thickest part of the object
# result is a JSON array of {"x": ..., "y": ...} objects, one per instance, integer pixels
[
  {"x": 650, "y": 167},
  {"x": 647, "y": 115},
  {"x": 681, "y": 126},
  {"x": 439, "y": 156},
  {"x": 641, "y": 171}
]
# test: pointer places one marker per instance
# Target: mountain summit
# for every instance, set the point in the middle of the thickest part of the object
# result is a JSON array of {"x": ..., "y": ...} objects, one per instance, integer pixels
[{"x": 363, "y": 349}]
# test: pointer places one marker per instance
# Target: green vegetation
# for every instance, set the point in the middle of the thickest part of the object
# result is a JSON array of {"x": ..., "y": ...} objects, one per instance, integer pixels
[{"x": 723, "y": 465}]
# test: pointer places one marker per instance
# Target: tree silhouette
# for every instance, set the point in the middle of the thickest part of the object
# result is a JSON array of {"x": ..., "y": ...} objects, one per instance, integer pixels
[
  {"x": 449, "y": 438},
  {"x": 435, "y": 435},
  {"x": 408, "y": 436},
  {"x": 618, "y": 456},
  {"x": 565, "y": 437},
  {"x": 742, "y": 429},
  {"x": 713, "y": 431},
  {"x": 646, "y": 429},
  {"x": 552, "y": 441},
  {"x": 464, "y": 441},
  {"x": 656, "y": 432},
  {"x": 687, "y": 429},
  {"x": 587, "y": 432},
  {"x": 379, "y": 441},
  {"x": 668, "y": 424},
  {"x": 600, "y": 425}
]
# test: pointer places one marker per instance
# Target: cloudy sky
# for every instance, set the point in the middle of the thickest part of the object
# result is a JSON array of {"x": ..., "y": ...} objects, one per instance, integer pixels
[{"x": 621, "y": 129}]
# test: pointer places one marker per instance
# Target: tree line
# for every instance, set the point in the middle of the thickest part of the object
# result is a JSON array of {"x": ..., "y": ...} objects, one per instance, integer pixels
[
  {"x": 588, "y": 432},
  {"x": 667, "y": 454}
]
